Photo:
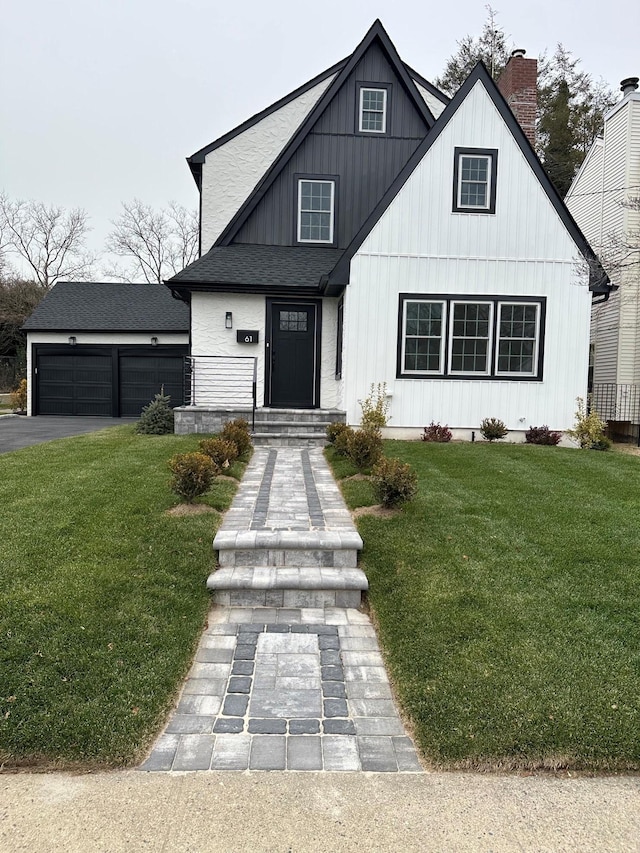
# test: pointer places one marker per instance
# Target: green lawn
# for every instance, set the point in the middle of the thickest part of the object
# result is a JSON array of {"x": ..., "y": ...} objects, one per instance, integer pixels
[
  {"x": 102, "y": 595},
  {"x": 508, "y": 602}
]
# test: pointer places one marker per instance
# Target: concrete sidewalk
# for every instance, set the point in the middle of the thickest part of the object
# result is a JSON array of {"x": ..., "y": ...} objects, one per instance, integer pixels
[{"x": 295, "y": 812}]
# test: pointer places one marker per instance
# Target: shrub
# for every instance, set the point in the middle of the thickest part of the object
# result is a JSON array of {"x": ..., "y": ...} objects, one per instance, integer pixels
[
  {"x": 18, "y": 397},
  {"x": 542, "y": 435},
  {"x": 436, "y": 432},
  {"x": 157, "y": 416},
  {"x": 493, "y": 428},
  {"x": 193, "y": 474},
  {"x": 341, "y": 441},
  {"x": 220, "y": 451},
  {"x": 364, "y": 447},
  {"x": 394, "y": 482},
  {"x": 589, "y": 429},
  {"x": 334, "y": 430},
  {"x": 238, "y": 432},
  {"x": 375, "y": 407}
]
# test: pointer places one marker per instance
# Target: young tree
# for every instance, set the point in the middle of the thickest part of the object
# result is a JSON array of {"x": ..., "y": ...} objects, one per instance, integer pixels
[
  {"x": 490, "y": 46},
  {"x": 49, "y": 239},
  {"x": 157, "y": 243}
]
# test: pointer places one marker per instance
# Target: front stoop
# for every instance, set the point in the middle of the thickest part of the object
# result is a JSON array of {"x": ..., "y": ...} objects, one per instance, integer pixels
[
  {"x": 294, "y": 427},
  {"x": 284, "y": 586}
]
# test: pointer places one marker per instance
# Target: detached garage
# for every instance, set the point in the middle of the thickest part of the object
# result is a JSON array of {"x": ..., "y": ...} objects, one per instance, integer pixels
[{"x": 105, "y": 349}]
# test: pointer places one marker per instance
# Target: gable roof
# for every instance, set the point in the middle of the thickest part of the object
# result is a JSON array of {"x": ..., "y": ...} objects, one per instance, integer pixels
[
  {"x": 109, "y": 306},
  {"x": 376, "y": 33},
  {"x": 251, "y": 268},
  {"x": 418, "y": 78},
  {"x": 598, "y": 279}
]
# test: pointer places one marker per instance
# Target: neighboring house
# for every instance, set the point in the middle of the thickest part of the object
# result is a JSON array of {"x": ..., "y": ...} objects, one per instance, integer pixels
[
  {"x": 599, "y": 200},
  {"x": 105, "y": 349},
  {"x": 365, "y": 230}
]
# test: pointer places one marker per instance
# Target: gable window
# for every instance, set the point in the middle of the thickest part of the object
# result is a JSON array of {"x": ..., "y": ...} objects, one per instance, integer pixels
[
  {"x": 450, "y": 336},
  {"x": 373, "y": 110},
  {"x": 315, "y": 211},
  {"x": 474, "y": 180}
]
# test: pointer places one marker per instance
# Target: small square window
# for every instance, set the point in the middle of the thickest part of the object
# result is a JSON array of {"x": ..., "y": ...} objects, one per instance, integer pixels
[
  {"x": 373, "y": 111},
  {"x": 474, "y": 180},
  {"x": 315, "y": 211}
]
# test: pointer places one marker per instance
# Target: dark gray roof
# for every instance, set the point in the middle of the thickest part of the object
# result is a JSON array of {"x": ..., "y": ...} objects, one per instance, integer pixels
[
  {"x": 109, "y": 306},
  {"x": 254, "y": 268}
]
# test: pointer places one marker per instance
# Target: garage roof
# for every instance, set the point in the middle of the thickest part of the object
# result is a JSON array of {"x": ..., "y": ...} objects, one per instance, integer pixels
[{"x": 109, "y": 306}]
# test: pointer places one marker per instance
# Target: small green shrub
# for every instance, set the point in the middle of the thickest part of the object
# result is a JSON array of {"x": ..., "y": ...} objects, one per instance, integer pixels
[
  {"x": 157, "y": 416},
  {"x": 364, "y": 447},
  {"x": 436, "y": 432},
  {"x": 375, "y": 407},
  {"x": 394, "y": 482},
  {"x": 222, "y": 452},
  {"x": 589, "y": 429},
  {"x": 193, "y": 474},
  {"x": 342, "y": 439},
  {"x": 334, "y": 430},
  {"x": 542, "y": 435},
  {"x": 493, "y": 429},
  {"x": 18, "y": 397},
  {"x": 238, "y": 432}
]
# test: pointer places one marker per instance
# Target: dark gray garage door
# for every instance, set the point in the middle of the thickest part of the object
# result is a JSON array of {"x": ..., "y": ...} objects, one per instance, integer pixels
[
  {"x": 105, "y": 381},
  {"x": 74, "y": 384},
  {"x": 142, "y": 377}
]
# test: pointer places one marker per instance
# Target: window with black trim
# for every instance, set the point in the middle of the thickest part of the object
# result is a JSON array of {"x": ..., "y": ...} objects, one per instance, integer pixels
[
  {"x": 316, "y": 211},
  {"x": 372, "y": 110},
  {"x": 456, "y": 337},
  {"x": 474, "y": 180}
]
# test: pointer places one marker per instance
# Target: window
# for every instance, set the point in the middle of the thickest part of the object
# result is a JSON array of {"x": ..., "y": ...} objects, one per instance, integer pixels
[
  {"x": 315, "y": 211},
  {"x": 474, "y": 180},
  {"x": 423, "y": 337},
  {"x": 293, "y": 321},
  {"x": 373, "y": 110},
  {"x": 339, "y": 338},
  {"x": 492, "y": 337}
]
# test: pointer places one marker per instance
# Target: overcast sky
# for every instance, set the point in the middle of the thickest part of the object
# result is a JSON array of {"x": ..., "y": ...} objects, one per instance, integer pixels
[{"x": 102, "y": 100}]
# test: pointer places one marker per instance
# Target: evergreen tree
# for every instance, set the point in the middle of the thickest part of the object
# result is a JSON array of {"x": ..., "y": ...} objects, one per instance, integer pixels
[
  {"x": 490, "y": 46},
  {"x": 556, "y": 126}
]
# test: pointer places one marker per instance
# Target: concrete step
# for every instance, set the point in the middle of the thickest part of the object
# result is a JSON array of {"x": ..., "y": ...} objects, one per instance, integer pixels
[
  {"x": 292, "y": 438},
  {"x": 293, "y": 548},
  {"x": 278, "y": 586}
]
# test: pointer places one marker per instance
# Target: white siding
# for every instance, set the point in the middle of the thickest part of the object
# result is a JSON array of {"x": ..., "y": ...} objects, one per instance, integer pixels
[
  {"x": 420, "y": 246},
  {"x": 435, "y": 104},
  {"x": 231, "y": 171},
  {"x": 210, "y": 338}
]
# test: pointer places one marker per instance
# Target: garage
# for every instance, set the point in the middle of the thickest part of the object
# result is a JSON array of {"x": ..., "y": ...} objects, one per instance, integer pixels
[{"x": 105, "y": 349}]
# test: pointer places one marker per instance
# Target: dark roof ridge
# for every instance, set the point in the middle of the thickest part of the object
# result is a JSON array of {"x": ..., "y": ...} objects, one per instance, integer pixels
[
  {"x": 376, "y": 31},
  {"x": 598, "y": 280}
]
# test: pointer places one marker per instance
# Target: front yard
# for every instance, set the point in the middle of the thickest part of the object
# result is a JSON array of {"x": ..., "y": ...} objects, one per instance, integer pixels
[
  {"x": 102, "y": 596},
  {"x": 507, "y": 597}
]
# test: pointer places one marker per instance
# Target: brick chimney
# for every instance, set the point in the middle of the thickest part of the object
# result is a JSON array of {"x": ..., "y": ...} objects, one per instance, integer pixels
[{"x": 519, "y": 85}]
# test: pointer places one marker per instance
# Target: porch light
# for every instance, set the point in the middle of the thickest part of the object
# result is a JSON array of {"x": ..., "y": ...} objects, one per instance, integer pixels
[
  {"x": 228, "y": 320},
  {"x": 154, "y": 341},
  {"x": 72, "y": 340}
]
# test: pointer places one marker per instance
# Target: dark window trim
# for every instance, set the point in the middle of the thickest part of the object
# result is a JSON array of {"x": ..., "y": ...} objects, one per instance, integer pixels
[
  {"x": 492, "y": 153},
  {"x": 300, "y": 176},
  {"x": 388, "y": 87},
  {"x": 448, "y": 298},
  {"x": 339, "y": 338}
]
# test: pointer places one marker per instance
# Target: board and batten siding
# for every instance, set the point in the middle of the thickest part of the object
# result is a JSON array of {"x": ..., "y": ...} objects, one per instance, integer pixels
[
  {"x": 231, "y": 171},
  {"x": 419, "y": 246},
  {"x": 210, "y": 338}
]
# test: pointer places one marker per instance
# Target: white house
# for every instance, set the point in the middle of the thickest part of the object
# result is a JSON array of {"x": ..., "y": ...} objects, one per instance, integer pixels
[
  {"x": 599, "y": 199},
  {"x": 366, "y": 230}
]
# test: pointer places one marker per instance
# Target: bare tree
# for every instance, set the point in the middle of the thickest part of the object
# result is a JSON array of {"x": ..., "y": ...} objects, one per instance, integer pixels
[
  {"x": 157, "y": 243},
  {"x": 49, "y": 239}
]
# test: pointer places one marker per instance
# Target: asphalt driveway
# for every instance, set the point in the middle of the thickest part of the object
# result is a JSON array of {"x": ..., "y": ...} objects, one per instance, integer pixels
[{"x": 17, "y": 431}]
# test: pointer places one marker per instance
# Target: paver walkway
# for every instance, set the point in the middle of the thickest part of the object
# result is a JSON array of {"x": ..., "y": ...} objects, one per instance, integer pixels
[{"x": 287, "y": 688}]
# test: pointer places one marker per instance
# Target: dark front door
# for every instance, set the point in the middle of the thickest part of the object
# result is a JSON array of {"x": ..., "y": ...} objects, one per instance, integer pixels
[{"x": 293, "y": 355}]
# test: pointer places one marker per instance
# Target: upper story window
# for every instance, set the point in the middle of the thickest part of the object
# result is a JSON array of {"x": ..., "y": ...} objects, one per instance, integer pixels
[
  {"x": 455, "y": 336},
  {"x": 316, "y": 208},
  {"x": 474, "y": 180},
  {"x": 373, "y": 110}
]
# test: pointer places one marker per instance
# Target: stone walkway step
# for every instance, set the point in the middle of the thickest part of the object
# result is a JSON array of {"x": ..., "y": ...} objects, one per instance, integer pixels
[
  {"x": 289, "y": 586},
  {"x": 289, "y": 439}
]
